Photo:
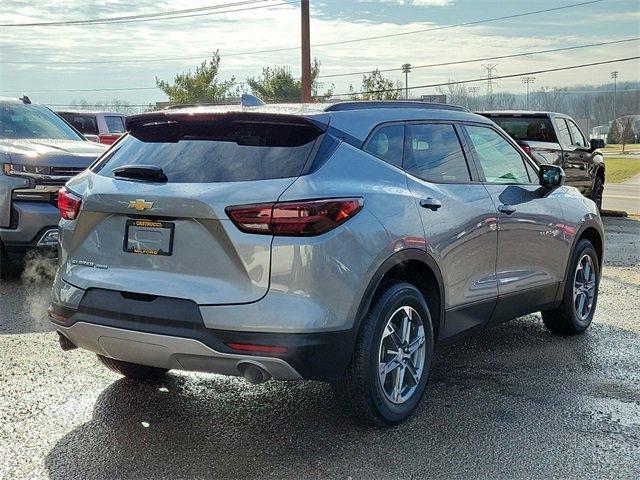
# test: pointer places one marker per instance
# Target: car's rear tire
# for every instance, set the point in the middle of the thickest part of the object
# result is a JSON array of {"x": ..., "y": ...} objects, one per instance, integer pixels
[
  {"x": 132, "y": 370},
  {"x": 368, "y": 390},
  {"x": 575, "y": 313},
  {"x": 597, "y": 192}
]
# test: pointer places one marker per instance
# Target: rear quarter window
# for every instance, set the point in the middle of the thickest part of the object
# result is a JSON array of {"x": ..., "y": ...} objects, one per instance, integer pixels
[
  {"x": 200, "y": 152},
  {"x": 115, "y": 124}
]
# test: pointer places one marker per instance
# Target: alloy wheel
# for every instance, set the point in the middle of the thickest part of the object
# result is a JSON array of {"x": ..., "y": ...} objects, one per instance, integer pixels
[
  {"x": 401, "y": 355},
  {"x": 584, "y": 287}
]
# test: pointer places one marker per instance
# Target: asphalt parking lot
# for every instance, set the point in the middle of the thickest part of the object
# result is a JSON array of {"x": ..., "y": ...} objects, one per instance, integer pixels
[{"x": 515, "y": 402}]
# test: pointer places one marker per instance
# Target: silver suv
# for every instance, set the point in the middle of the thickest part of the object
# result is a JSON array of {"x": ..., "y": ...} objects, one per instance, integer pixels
[{"x": 338, "y": 244}]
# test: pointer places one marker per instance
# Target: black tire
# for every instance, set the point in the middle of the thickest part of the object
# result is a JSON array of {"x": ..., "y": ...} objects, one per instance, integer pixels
[
  {"x": 565, "y": 320},
  {"x": 359, "y": 391},
  {"x": 132, "y": 370},
  {"x": 597, "y": 192}
]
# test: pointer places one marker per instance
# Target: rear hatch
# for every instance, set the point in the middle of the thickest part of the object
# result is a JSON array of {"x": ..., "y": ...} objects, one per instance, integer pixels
[{"x": 138, "y": 232}]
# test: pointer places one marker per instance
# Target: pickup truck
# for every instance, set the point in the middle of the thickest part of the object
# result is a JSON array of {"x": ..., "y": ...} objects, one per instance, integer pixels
[
  {"x": 39, "y": 153},
  {"x": 554, "y": 138}
]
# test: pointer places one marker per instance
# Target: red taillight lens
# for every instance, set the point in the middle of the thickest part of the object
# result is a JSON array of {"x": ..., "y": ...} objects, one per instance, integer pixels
[
  {"x": 108, "y": 139},
  {"x": 527, "y": 149},
  {"x": 304, "y": 218},
  {"x": 68, "y": 204},
  {"x": 248, "y": 347}
]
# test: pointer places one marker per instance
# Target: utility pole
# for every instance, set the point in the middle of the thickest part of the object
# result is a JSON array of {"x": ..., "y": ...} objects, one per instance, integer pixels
[
  {"x": 473, "y": 90},
  {"x": 306, "y": 52},
  {"x": 614, "y": 76},
  {"x": 490, "y": 68},
  {"x": 406, "y": 68},
  {"x": 528, "y": 80}
]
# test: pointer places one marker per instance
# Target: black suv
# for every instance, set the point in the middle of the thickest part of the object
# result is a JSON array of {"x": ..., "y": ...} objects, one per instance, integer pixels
[{"x": 554, "y": 138}]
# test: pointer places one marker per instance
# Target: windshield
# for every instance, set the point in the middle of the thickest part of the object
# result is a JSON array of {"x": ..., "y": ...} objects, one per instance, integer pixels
[{"x": 21, "y": 121}]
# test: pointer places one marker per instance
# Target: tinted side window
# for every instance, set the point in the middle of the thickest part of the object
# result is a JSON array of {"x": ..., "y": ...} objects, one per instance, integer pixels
[
  {"x": 114, "y": 124},
  {"x": 386, "y": 143},
  {"x": 433, "y": 152},
  {"x": 83, "y": 123},
  {"x": 499, "y": 160},
  {"x": 563, "y": 131},
  {"x": 576, "y": 135}
]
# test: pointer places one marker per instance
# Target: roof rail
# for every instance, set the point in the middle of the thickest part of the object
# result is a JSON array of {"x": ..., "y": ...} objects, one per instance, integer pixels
[{"x": 361, "y": 105}]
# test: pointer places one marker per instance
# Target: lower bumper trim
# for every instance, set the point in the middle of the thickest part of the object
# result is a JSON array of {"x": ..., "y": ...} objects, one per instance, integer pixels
[{"x": 169, "y": 352}]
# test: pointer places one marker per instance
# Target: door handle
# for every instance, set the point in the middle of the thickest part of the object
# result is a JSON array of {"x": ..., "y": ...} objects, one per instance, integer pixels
[
  {"x": 506, "y": 208},
  {"x": 430, "y": 203}
]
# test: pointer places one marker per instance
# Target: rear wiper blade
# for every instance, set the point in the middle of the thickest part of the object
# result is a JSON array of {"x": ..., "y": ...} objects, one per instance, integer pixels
[{"x": 141, "y": 172}]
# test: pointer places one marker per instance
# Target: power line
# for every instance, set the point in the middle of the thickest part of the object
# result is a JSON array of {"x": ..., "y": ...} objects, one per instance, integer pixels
[
  {"x": 283, "y": 49},
  {"x": 484, "y": 59},
  {"x": 496, "y": 77},
  {"x": 199, "y": 11}
]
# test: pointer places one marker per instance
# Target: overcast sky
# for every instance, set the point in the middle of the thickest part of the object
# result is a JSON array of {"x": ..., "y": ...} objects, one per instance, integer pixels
[{"x": 238, "y": 35}]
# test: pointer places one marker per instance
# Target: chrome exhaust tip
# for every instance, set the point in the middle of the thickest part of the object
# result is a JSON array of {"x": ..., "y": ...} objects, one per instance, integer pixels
[{"x": 254, "y": 374}]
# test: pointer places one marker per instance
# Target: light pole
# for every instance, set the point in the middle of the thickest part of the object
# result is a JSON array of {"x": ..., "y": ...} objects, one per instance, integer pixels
[
  {"x": 528, "y": 80},
  {"x": 614, "y": 76},
  {"x": 306, "y": 52},
  {"x": 406, "y": 68}
]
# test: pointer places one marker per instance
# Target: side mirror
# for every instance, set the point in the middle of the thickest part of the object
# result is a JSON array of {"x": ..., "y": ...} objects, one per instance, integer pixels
[
  {"x": 597, "y": 143},
  {"x": 551, "y": 176}
]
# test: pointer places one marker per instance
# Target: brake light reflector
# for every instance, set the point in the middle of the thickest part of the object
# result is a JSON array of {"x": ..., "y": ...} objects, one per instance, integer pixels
[
  {"x": 303, "y": 218},
  {"x": 68, "y": 204},
  {"x": 248, "y": 347}
]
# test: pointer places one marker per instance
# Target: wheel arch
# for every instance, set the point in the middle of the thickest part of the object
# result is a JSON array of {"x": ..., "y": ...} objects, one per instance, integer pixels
[{"x": 416, "y": 267}]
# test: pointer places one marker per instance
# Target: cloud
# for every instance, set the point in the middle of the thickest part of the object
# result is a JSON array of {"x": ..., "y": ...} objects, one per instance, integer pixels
[{"x": 272, "y": 28}]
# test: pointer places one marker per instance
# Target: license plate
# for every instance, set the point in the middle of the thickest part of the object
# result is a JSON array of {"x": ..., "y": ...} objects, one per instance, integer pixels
[{"x": 148, "y": 237}]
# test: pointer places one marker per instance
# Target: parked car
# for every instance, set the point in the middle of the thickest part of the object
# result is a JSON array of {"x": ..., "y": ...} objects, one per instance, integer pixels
[
  {"x": 39, "y": 152},
  {"x": 103, "y": 127},
  {"x": 556, "y": 139},
  {"x": 337, "y": 245}
]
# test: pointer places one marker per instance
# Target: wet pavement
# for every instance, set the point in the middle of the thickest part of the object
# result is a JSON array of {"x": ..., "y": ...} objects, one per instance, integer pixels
[{"x": 515, "y": 402}]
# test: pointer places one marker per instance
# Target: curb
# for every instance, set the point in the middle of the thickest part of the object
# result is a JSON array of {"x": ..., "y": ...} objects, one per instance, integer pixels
[{"x": 613, "y": 213}]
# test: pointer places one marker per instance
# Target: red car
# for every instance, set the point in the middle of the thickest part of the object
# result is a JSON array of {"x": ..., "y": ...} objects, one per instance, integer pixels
[{"x": 103, "y": 127}]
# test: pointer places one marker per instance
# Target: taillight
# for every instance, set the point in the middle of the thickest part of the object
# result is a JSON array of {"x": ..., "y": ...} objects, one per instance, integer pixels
[
  {"x": 68, "y": 204},
  {"x": 248, "y": 347},
  {"x": 305, "y": 218},
  {"x": 526, "y": 148},
  {"x": 108, "y": 139}
]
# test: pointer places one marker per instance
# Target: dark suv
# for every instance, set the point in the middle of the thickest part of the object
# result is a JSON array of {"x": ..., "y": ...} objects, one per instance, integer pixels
[
  {"x": 336, "y": 243},
  {"x": 554, "y": 138}
]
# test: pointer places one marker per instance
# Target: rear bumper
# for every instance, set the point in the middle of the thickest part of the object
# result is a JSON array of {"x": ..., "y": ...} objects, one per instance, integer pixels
[{"x": 170, "y": 333}]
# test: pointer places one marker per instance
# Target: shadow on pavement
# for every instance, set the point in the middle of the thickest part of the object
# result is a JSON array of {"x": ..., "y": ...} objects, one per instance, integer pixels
[{"x": 504, "y": 404}]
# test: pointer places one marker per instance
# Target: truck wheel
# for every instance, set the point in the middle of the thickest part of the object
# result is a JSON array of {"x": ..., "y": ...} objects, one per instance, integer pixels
[
  {"x": 598, "y": 190},
  {"x": 575, "y": 313},
  {"x": 388, "y": 372},
  {"x": 132, "y": 370}
]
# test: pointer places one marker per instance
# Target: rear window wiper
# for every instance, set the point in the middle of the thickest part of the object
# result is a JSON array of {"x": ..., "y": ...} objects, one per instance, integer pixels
[{"x": 141, "y": 172}]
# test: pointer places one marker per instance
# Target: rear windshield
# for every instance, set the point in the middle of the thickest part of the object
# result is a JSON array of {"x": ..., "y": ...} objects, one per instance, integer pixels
[
  {"x": 83, "y": 122},
  {"x": 200, "y": 152},
  {"x": 535, "y": 129},
  {"x": 114, "y": 124}
]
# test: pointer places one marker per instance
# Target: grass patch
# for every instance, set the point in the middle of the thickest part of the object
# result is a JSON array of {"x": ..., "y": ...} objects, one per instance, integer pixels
[
  {"x": 630, "y": 147},
  {"x": 621, "y": 168}
]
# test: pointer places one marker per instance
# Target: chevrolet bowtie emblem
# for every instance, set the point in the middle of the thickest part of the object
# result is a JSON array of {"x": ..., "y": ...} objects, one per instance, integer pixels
[{"x": 139, "y": 204}]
